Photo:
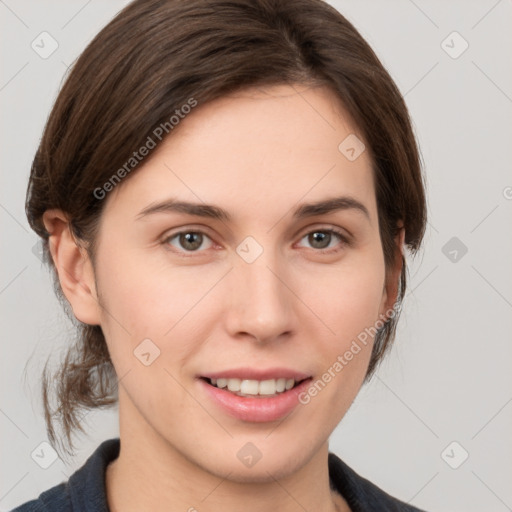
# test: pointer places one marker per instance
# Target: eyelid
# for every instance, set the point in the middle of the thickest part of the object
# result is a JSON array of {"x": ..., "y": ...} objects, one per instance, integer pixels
[
  {"x": 345, "y": 237},
  {"x": 186, "y": 229},
  {"x": 328, "y": 227}
]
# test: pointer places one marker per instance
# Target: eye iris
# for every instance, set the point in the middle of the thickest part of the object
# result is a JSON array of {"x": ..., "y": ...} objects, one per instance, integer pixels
[
  {"x": 187, "y": 240},
  {"x": 323, "y": 236}
]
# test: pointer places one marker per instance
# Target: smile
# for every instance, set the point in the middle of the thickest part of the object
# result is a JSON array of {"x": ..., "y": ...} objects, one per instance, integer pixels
[
  {"x": 250, "y": 387},
  {"x": 254, "y": 400}
]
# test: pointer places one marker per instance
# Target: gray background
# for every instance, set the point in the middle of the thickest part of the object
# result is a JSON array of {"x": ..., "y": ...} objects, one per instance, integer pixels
[{"x": 448, "y": 378}]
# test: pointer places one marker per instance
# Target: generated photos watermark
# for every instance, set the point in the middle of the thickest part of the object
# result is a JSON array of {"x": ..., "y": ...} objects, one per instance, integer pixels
[
  {"x": 156, "y": 136},
  {"x": 343, "y": 359}
]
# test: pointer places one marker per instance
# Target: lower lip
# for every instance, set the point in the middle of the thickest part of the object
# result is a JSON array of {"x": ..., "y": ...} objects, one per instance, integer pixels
[{"x": 255, "y": 409}]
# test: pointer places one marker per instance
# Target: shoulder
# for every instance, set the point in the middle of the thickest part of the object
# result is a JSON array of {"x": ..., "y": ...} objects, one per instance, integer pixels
[
  {"x": 361, "y": 494},
  {"x": 55, "y": 499},
  {"x": 85, "y": 489}
]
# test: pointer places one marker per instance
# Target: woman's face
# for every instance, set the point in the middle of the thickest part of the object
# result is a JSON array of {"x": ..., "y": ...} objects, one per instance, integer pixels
[{"x": 264, "y": 287}]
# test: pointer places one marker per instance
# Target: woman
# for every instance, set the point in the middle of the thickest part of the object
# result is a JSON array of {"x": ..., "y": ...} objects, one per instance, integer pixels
[{"x": 224, "y": 191}]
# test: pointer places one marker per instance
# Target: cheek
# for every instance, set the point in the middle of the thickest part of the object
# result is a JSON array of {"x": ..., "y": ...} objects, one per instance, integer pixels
[
  {"x": 358, "y": 305},
  {"x": 346, "y": 297},
  {"x": 347, "y": 302},
  {"x": 348, "y": 306},
  {"x": 147, "y": 299},
  {"x": 142, "y": 296},
  {"x": 141, "y": 303}
]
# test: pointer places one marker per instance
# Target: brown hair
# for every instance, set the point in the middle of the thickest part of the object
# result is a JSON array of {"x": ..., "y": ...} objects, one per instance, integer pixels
[{"x": 149, "y": 61}]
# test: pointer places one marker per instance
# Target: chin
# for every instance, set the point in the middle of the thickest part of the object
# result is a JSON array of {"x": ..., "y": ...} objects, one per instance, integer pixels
[
  {"x": 260, "y": 474},
  {"x": 280, "y": 464}
]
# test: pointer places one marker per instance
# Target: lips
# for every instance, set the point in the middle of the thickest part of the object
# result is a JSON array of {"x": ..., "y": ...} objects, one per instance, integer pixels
[
  {"x": 253, "y": 408},
  {"x": 255, "y": 394}
]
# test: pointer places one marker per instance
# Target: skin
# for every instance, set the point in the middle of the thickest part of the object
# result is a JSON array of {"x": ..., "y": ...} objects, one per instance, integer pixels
[{"x": 256, "y": 154}]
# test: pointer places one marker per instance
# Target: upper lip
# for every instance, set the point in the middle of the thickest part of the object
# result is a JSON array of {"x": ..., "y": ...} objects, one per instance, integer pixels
[{"x": 247, "y": 373}]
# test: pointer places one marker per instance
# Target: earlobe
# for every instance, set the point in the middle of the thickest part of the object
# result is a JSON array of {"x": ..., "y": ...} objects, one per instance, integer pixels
[{"x": 74, "y": 268}]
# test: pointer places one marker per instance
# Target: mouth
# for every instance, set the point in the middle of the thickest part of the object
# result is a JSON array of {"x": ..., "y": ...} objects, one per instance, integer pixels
[
  {"x": 255, "y": 395},
  {"x": 255, "y": 388}
]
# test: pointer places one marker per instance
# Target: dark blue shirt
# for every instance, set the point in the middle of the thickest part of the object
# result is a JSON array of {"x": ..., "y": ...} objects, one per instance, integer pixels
[{"x": 85, "y": 489}]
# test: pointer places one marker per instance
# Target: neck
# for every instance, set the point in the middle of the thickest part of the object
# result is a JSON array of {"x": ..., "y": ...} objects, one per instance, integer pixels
[{"x": 151, "y": 474}]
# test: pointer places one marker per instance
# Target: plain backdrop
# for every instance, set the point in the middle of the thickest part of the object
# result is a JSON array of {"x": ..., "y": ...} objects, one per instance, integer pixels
[{"x": 433, "y": 427}]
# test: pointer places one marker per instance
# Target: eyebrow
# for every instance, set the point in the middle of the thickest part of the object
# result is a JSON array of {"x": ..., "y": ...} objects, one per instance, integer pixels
[{"x": 305, "y": 210}]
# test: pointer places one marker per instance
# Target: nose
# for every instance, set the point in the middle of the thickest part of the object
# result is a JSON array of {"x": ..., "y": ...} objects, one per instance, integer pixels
[{"x": 261, "y": 305}]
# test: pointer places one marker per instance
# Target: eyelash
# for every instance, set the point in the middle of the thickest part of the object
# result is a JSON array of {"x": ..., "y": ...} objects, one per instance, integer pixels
[{"x": 345, "y": 241}]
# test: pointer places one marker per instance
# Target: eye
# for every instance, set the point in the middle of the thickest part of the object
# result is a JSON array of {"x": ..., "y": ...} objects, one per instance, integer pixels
[
  {"x": 193, "y": 240},
  {"x": 189, "y": 241},
  {"x": 321, "y": 239}
]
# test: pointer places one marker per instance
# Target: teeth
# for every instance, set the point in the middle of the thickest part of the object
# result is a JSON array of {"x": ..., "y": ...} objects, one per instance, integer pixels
[
  {"x": 254, "y": 387},
  {"x": 234, "y": 384},
  {"x": 249, "y": 387}
]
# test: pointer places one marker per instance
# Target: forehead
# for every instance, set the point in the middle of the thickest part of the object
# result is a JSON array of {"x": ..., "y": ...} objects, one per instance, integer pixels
[{"x": 259, "y": 149}]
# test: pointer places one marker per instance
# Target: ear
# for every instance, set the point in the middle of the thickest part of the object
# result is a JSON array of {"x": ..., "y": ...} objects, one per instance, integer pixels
[
  {"x": 391, "y": 290},
  {"x": 74, "y": 268}
]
